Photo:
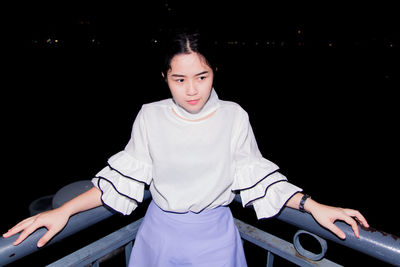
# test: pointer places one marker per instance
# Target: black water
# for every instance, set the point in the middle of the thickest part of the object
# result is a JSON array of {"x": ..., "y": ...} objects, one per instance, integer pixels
[{"x": 328, "y": 118}]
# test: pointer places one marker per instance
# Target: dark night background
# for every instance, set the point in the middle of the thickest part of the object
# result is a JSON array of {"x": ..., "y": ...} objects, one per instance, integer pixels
[{"x": 318, "y": 81}]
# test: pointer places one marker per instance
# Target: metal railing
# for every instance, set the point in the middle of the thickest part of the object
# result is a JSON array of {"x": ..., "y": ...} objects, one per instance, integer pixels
[{"x": 377, "y": 244}]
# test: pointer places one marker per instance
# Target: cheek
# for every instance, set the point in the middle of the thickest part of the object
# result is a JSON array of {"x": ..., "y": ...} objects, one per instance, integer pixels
[
  {"x": 210, "y": 81},
  {"x": 175, "y": 92},
  {"x": 171, "y": 87},
  {"x": 207, "y": 86}
]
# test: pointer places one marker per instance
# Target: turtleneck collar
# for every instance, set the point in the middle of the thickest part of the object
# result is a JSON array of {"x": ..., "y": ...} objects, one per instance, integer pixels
[{"x": 210, "y": 107}]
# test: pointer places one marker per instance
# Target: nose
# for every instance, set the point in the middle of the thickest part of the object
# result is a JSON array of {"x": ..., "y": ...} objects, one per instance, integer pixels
[{"x": 191, "y": 89}]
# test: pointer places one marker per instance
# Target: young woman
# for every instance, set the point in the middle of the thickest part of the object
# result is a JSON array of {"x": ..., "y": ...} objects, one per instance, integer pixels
[{"x": 195, "y": 152}]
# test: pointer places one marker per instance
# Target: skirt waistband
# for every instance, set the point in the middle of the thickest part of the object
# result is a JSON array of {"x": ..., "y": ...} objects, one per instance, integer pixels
[{"x": 191, "y": 217}]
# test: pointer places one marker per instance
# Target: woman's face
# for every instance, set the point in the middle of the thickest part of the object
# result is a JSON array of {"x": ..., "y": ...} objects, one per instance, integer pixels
[{"x": 190, "y": 80}]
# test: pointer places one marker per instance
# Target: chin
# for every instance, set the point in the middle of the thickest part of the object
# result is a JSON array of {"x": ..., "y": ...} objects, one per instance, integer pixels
[{"x": 193, "y": 109}]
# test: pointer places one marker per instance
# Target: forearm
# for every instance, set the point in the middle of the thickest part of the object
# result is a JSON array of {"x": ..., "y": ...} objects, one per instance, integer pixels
[
  {"x": 85, "y": 201},
  {"x": 294, "y": 203},
  {"x": 55, "y": 220}
]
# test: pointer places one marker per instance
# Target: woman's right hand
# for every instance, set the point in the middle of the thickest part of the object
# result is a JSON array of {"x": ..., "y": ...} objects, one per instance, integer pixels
[{"x": 54, "y": 220}]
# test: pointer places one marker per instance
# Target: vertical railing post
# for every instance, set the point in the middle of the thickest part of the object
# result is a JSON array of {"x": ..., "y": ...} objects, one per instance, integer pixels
[
  {"x": 270, "y": 259},
  {"x": 128, "y": 250}
]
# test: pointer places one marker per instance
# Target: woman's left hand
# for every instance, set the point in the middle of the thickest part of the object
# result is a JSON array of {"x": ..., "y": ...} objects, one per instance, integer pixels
[{"x": 327, "y": 215}]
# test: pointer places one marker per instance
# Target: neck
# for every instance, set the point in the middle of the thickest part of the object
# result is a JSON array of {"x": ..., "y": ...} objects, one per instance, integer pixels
[
  {"x": 206, "y": 112},
  {"x": 194, "y": 120}
]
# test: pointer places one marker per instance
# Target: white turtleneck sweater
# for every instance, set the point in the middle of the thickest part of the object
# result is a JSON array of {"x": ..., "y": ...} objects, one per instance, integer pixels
[{"x": 192, "y": 164}]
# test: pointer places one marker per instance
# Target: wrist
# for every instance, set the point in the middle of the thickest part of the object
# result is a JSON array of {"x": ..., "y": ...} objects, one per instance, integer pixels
[
  {"x": 302, "y": 202},
  {"x": 310, "y": 205},
  {"x": 67, "y": 209}
]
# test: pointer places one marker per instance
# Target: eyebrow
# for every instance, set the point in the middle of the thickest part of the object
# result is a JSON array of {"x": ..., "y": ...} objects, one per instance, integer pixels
[{"x": 198, "y": 74}]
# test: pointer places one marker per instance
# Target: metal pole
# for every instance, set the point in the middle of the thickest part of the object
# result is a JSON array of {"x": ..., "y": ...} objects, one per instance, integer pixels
[{"x": 378, "y": 244}]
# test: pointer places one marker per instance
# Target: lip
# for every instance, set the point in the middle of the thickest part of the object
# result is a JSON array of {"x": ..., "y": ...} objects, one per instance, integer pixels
[{"x": 193, "y": 102}]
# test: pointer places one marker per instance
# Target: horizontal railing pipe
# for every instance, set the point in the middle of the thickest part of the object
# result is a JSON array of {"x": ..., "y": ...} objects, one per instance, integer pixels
[
  {"x": 10, "y": 253},
  {"x": 100, "y": 248},
  {"x": 378, "y": 244}
]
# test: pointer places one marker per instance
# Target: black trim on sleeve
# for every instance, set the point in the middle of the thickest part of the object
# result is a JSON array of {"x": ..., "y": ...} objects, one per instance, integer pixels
[
  {"x": 102, "y": 200},
  {"x": 127, "y": 176},
  {"x": 265, "y": 192},
  {"x": 266, "y": 176},
  {"x": 98, "y": 183},
  {"x": 284, "y": 204}
]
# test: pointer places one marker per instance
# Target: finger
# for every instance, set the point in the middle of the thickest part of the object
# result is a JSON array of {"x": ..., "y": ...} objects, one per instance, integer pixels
[
  {"x": 336, "y": 230},
  {"x": 8, "y": 234},
  {"x": 25, "y": 221},
  {"x": 358, "y": 216},
  {"x": 18, "y": 228},
  {"x": 46, "y": 237},
  {"x": 350, "y": 221},
  {"x": 29, "y": 230}
]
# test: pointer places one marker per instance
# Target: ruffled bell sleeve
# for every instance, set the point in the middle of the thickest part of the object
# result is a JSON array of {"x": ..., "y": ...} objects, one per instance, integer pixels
[
  {"x": 122, "y": 182},
  {"x": 258, "y": 179}
]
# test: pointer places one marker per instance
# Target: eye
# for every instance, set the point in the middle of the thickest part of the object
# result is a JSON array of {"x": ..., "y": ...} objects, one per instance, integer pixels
[
  {"x": 179, "y": 80},
  {"x": 202, "y": 78}
]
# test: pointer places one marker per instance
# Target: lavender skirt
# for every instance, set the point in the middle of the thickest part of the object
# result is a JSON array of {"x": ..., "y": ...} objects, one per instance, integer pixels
[{"x": 207, "y": 239}]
